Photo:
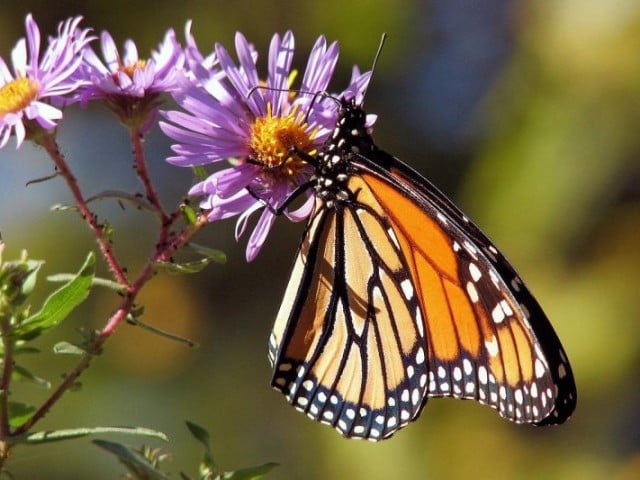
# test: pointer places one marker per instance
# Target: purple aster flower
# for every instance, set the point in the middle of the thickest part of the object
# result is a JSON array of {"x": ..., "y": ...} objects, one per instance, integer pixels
[
  {"x": 131, "y": 85},
  {"x": 25, "y": 96},
  {"x": 260, "y": 125}
]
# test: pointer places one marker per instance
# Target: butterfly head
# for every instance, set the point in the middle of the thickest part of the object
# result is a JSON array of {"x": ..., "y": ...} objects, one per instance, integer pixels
[{"x": 349, "y": 139}]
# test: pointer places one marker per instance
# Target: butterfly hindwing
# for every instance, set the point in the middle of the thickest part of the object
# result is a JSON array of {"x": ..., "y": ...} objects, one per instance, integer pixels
[{"x": 348, "y": 344}]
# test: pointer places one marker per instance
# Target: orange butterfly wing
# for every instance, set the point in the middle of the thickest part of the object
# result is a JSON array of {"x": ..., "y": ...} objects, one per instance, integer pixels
[{"x": 395, "y": 296}]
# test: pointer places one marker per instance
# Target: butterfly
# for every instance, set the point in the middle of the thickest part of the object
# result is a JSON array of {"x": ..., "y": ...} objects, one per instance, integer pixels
[{"x": 396, "y": 296}]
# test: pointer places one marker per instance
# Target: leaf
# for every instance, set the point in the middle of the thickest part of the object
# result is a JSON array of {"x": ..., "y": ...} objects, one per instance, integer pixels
[
  {"x": 60, "y": 303},
  {"x": 132, "y": 319},
  {"x": 68, "y": 348},
  {"x": 217, "y": 256},
  {"x": 200, "y": 172},
  {"x": 22, "y": 374},
  {"x": 202, "y": 435},
  {"x": 19, "y": 413},
  {"x": 250, "y": 473},
  {"x": 71, "y": 433},
  {"x": 136, "y": 200},
  {"x": 185, "y": 267},
  {"x": 188, "y": 213},
  {"x": 97, "y": 281},
  {"x": 134, "y": 461}
]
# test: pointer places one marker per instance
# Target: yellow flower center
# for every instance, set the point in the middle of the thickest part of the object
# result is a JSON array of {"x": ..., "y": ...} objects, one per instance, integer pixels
[
  {"x": 129, "y": 70},
  {"x": 275, "y": 141},
  {"x": 17, "y": 94}
]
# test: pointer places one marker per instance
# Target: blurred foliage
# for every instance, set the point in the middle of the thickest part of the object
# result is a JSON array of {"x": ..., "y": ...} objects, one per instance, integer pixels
[{"x": 550, "y": 171}]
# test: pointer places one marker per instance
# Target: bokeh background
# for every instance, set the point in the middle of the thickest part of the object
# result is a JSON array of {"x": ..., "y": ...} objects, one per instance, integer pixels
[{"x": 525, "y": 112}]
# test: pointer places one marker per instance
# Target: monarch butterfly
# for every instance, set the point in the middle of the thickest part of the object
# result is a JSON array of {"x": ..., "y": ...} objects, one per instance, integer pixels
[{"x": 396, "y": 296}]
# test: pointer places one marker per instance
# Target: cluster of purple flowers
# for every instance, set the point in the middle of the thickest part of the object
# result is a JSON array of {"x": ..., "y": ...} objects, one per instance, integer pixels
[{"x": 261, "y": 128}]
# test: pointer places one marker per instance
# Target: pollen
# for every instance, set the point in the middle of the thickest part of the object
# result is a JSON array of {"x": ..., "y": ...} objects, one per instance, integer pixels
[
  {"x": 17, "y": 94},
  {"x": 277, "y": 142},
  {"x": 129, "y": 70}
]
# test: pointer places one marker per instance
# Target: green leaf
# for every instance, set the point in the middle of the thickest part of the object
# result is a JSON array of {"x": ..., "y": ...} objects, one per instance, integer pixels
[
  {"x": 163, "y": 333},
  {"x": 68, "y": 348},
  {"x": 22, "y": 374},
  {"x": 60, "y": 303},
  {"x": 200, "y": 172},
  {"x": 215, "y": 255},
  {"x": 71, "y": 433},
  {"x": 137, "y": 201},
  {"x": 134, "y": 461},
  {"x": 202, "y": 435},
  {"x": 97, "y": 281},
  {"x": 251, "y": 473},
  {"x": 185, "y": 267},
  {"x": 188, "y": 213},
  {"x": 19, "y": 413}
]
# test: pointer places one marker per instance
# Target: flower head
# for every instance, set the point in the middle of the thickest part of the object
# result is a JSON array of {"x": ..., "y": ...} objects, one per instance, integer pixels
[
  {"x": 268, "y": 129},
  {"x": 26, "y": 94},
  {"x": 129, "y": 84}
]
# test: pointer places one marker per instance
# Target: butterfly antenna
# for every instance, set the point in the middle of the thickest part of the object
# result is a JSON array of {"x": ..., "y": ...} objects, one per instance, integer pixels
[{"x": 375, "y": 63}]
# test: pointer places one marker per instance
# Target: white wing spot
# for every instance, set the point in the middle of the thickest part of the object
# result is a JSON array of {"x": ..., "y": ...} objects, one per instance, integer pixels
[
  {"x": 420, "y": 356},
  {"x": 405, "y": 415},
  {"x": 423, "y": 380},
  {"x": 470, "y": 387},
  {"x": 540, "y": 369},
  {"x": 472, "y": 292},
  {"x": 391, "y": 401},
  {"x": 405, "y": 395},
  {"x": 334, "y": 399},
  {"x": 562, "y": 371},
  {"x": 497, "y": 314},
  {"x": 379, "y": 419},
  {"x": 392, "y": 236},
  {"x": 506, "y": 308},
  {"x": 457, "y": 374},
  {"x": 442, "y": 218},
  {"x": 328, "y": 414},
  {"x": 482, "y": 375},
  {"x": 475, "y": 272},
  {"x": 281, "y": 381},
  {"x": 419, "y": 322},
  {"x": 392, "y": 422},
  {"x": 307, "y": 384},
  {"x": 468, "y": 367},
  {"x": 442, "y": 373},
  {"x": 350, "y": 413},
  {"x": 494, "y": 278},
  {"x": 492, "y": 346},
  {"x": 534, "y": 390},
  {"x": 407, "y": 288},
  {"x": 518, "y": 396},
  {"x": 415, "y": 396},
  {"x": 358, "y": 429},
  {"x": 322, "y": 397},
  {"x": 503, "y": 392},
  {"x": 285, "y": 367},
  {"x": 410, "y": 371}
]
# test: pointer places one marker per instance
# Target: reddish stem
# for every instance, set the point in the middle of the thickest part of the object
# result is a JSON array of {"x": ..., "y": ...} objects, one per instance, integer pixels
[{"x": 50, "y": 145}]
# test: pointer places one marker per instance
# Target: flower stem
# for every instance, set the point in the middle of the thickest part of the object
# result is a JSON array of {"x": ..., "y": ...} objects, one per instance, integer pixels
[{"x": 50, "y": 145}]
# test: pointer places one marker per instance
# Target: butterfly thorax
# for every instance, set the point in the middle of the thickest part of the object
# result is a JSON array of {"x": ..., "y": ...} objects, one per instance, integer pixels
[{"x": 350, "y": 139}]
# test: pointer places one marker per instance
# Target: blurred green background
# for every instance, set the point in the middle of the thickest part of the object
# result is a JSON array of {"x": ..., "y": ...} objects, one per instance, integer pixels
[{"x": 525, "y": 112}]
